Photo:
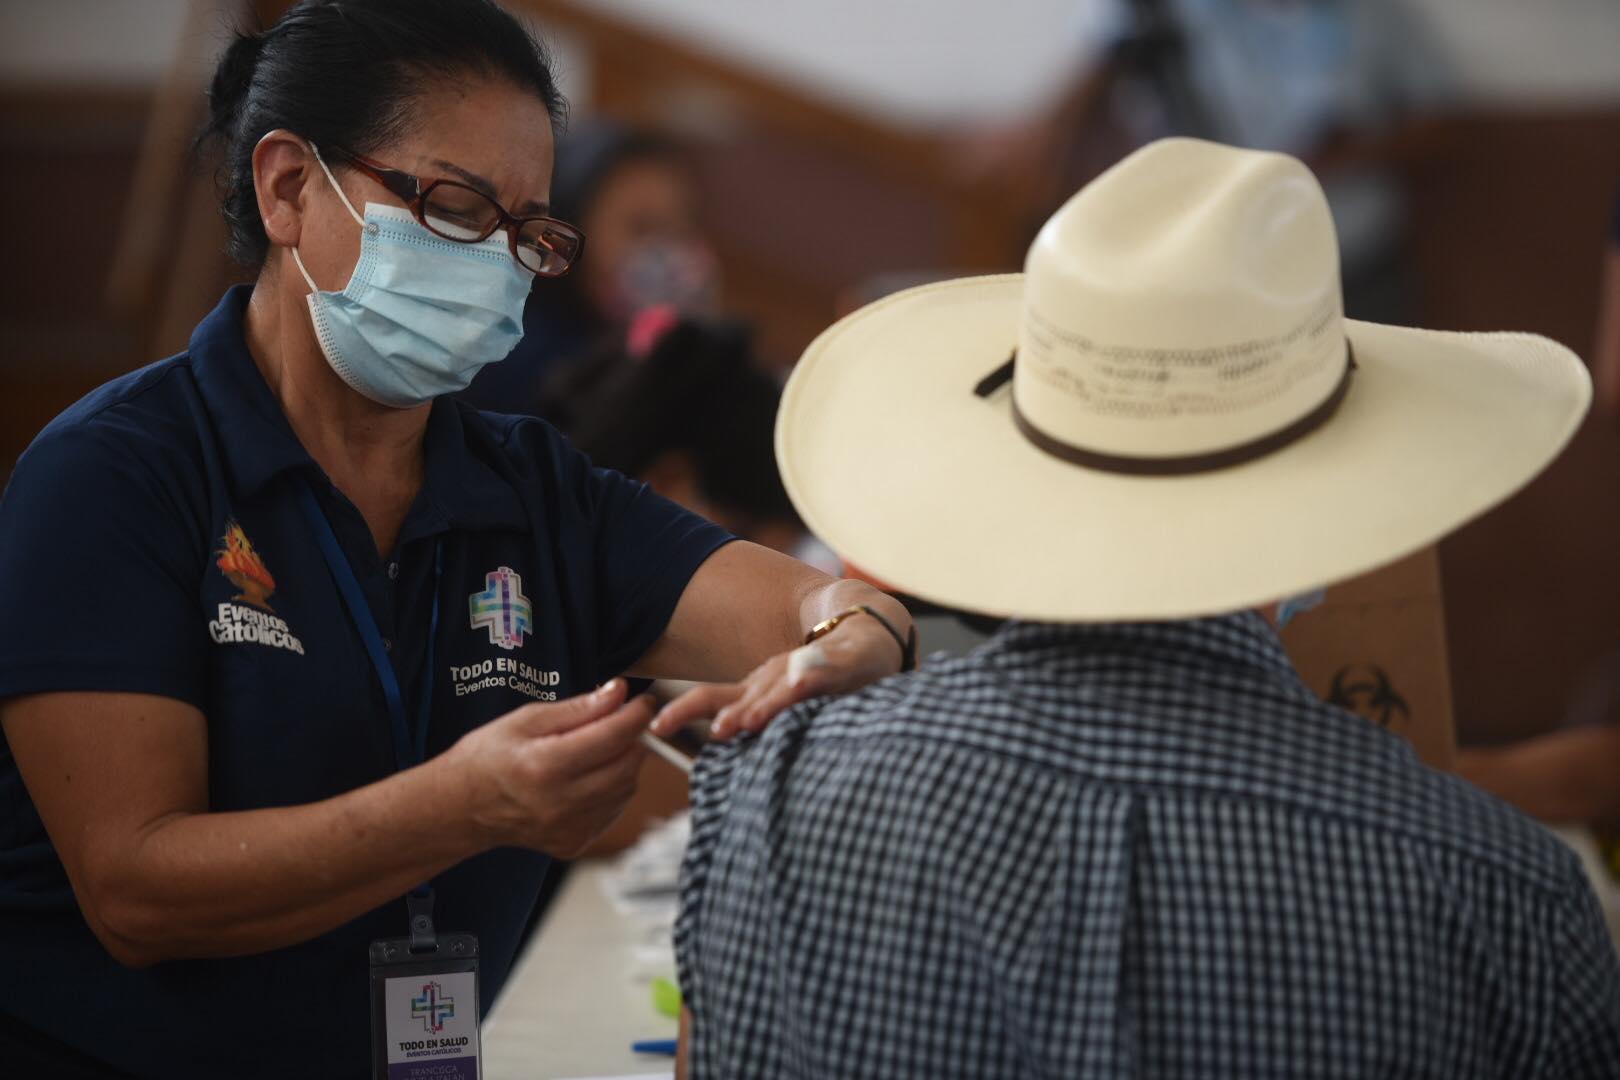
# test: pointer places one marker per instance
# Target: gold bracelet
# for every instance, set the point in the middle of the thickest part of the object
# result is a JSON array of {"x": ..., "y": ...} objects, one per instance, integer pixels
[{"x": 908, "y": 644}]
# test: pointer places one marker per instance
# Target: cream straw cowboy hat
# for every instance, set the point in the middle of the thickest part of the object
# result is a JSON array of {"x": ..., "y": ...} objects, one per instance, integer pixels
[{"x": 1188, "y": 425}]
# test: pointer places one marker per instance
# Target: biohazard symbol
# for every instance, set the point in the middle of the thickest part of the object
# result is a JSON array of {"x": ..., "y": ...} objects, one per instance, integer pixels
[{"x": 1365, "y": 689}]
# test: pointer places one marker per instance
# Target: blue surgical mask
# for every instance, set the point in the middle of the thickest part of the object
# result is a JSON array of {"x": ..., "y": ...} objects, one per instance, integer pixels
[
  {"x": 1288, "y": 608},
  {"x": 421, "y": 315}
]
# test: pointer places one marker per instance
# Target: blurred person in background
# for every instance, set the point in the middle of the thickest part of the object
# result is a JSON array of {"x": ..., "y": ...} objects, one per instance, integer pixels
[
  {"x": 1329, "y": 81},
  {"x": 683, "y": 405},
  {"x": 634, "y": 194}
]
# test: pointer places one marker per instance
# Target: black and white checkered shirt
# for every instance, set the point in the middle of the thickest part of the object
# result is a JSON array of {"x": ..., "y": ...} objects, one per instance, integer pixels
[{"x": 1138, "y": 850}]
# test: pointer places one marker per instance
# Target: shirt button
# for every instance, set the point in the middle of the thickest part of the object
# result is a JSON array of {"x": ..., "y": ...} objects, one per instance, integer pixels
[
  {"x": 393, "y": 571},
  {"x": 388, "y": 644}
]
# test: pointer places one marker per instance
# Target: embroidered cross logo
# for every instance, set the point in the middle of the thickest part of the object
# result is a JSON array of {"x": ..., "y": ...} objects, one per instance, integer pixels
[
  {"x": 432, "y": 1007},
  {"x": 502, "y": 608}
]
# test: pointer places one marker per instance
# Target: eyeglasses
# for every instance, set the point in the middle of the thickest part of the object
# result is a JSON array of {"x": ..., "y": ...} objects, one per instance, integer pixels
[{"x": 458, "y": 212}]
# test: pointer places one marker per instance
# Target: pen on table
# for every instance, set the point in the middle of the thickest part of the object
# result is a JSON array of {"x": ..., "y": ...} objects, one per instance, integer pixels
[
  {"x": 655, "y": 1046},
  {"x": 667, "y": 752}
]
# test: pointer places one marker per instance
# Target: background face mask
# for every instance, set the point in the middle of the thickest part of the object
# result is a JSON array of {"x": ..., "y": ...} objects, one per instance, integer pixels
[
  {"x": 421, "y": 315},
  {"x": 1290, "y": 607},
  {"x": 675, "y": 273}
]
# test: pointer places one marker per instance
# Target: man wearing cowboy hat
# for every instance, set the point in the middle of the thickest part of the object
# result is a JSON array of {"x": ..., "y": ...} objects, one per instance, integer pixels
[{"x": 1123, "y": 838}]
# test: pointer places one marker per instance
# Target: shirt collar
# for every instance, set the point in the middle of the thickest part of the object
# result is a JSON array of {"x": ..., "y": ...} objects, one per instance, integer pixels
[
  {"x": 1242, "y": 639},
  {"x": 256, "y": 441},
  {"x": 463, "y": 483},
  {"x": 461, "y": 486}
]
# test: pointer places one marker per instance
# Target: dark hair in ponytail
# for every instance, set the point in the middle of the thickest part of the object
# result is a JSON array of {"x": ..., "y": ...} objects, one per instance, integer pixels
[{"x": 347, "y": 73}]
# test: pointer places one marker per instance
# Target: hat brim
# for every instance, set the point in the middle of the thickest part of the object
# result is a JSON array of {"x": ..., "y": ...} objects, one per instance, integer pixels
[{"x": 896, "y": 464}]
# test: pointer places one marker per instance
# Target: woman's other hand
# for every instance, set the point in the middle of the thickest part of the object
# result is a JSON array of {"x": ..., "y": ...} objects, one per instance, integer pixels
[
  {"x": 551, "y": 777},
  {"x": 857, "y": 653}
]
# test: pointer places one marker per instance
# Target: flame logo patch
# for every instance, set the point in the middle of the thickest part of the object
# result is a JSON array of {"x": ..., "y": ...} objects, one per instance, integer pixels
[{"x": 243, "y": 568}]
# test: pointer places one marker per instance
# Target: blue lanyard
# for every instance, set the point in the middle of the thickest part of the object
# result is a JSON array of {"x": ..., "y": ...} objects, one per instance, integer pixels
[{"x": 410, "y": 748}]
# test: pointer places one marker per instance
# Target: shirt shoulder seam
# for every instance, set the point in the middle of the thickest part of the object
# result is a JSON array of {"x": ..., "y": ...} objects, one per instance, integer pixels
[
  {"x": 57, "y": 428},
  {"x": 1544, "y": 883}
]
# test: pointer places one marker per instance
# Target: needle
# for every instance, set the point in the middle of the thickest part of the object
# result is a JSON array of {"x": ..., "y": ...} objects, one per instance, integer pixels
[{"x": 667, "y": 752}]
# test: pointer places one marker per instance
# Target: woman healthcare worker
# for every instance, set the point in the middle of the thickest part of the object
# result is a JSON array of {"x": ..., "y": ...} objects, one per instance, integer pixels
[{"x": 288, "y": 634}]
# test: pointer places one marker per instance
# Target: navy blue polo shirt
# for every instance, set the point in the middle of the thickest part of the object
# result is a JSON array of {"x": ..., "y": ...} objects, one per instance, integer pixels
[{"x": 151, "y": 540}]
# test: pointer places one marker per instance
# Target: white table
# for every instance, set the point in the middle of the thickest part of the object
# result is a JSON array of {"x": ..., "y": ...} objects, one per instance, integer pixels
[{"x": 576, "y": 1000}]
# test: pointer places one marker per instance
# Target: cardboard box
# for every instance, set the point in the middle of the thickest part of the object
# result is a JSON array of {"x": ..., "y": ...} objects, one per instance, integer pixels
[{"x": 1377, "y": 645}]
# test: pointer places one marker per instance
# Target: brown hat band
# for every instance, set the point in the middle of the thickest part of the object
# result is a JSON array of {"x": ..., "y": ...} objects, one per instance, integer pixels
[{"x": 1173, "y": 466}]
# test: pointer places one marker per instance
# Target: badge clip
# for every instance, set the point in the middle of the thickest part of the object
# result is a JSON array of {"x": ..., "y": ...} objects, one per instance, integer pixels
[{"x": 419, "y": 904}]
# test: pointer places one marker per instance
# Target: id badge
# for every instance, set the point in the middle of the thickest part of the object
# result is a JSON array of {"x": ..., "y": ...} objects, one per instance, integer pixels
[{"x": 424, "y": 1010}]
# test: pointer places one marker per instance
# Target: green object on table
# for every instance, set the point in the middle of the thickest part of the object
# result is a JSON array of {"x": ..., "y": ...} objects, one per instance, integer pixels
[{"x": 666, "y": 997}]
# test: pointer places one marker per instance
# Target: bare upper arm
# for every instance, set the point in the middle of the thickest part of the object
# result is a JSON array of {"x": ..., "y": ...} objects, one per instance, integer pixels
[
  {"x": 102, "y": 768},
  {"x": 741, "y": 608}
]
